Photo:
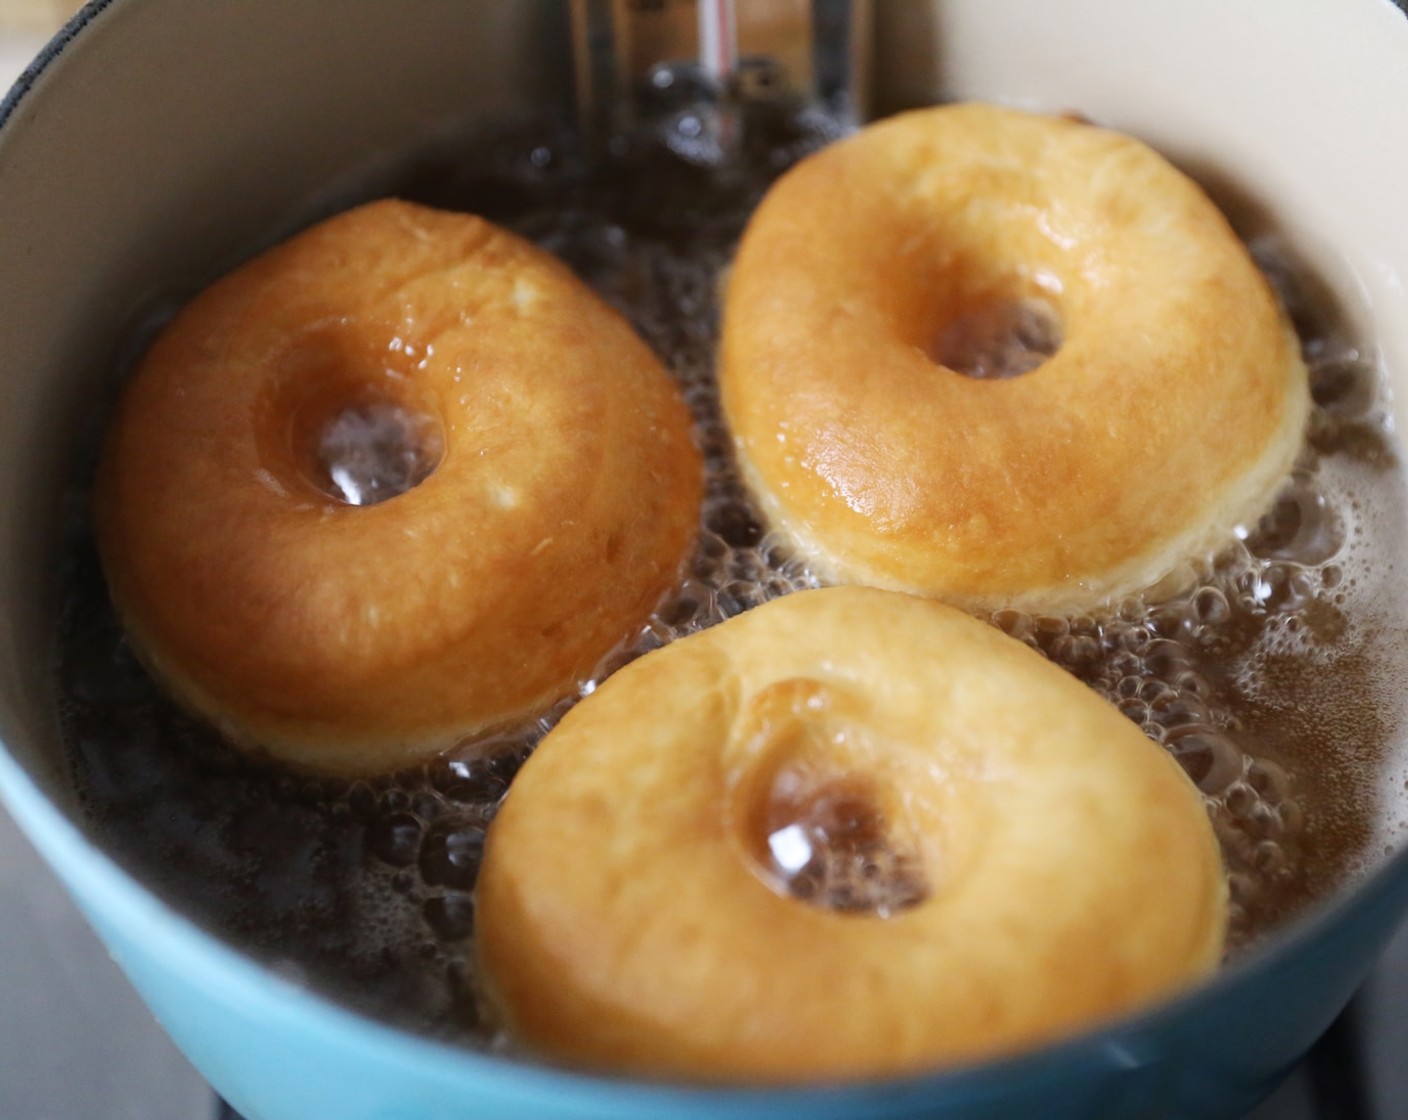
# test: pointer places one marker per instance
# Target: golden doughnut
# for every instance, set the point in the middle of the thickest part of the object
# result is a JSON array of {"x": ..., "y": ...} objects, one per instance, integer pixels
[
  {"x": 623, "y": 918},
  {"x": 360, "y": 638},
  {"x": 1172, "y": 408}
]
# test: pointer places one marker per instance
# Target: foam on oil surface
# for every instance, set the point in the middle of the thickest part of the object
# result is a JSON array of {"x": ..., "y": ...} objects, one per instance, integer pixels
[{"x": 1274, "y": 680}]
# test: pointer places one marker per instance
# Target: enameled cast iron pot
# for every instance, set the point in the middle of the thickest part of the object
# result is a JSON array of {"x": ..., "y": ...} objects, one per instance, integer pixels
[{"x": 155, "y": 141}]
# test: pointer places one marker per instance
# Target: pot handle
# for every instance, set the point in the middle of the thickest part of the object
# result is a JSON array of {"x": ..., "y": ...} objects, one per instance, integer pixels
[{"x": 636, "y": 60}]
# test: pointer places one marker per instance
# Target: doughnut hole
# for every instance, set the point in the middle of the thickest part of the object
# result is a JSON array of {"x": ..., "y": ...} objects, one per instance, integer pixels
[
  {"x": 355, "y": 427},
  {"x": 987, "y": 301},
  {"x": 374, "y": 449},
  {"x": 999, "y": 338},
  {"x": 826, "y": 808}
]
